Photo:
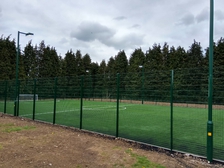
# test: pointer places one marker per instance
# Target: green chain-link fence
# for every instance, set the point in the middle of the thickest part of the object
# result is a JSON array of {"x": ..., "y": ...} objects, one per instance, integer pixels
[{"x": 162, "y": 108}]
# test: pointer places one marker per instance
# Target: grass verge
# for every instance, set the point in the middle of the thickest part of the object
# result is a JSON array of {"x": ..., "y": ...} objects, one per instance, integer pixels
[{"x": 142, "y": 161}]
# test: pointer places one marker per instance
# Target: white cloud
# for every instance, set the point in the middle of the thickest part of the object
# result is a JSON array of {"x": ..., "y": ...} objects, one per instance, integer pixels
[{"x": 102, "y": 28}]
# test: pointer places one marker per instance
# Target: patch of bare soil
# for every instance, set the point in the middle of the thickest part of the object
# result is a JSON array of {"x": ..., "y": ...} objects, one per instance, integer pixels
[{"x": 27, "y": 143}]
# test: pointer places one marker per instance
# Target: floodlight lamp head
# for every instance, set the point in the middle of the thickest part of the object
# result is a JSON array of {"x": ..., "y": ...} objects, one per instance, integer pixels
[
  {"x": 27, "y": 34},
  {"x": 140, "y": 66}
]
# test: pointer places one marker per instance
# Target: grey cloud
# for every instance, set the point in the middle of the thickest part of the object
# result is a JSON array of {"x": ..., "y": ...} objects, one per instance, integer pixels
[
  {"x": 133, "y": 40},
  {"x": 120, "y": 18},
  {"x": 219, "y": 15},
  {"x": 135, "y": 26},
  {"x": 130, "y": 40},
  {"x": 187, "y": 19},
  {"x": 203, "y": 16},
  {"x": 90, "y": 31}
]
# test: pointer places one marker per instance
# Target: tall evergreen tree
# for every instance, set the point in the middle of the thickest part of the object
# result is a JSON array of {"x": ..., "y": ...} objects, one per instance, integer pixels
[
  {"x": 181, "y": 57},
  {"x": 86, "y": 63},
  {"x": 195, "y": 55},
  {"x": 30, "y": 61},
  {"x": 79, "y": 63},
  {"x": 219, "y": 53},
  {"x": 111, "y": 74},
  {"x": 42, "y": 62},
  {"x": 70, "y": 64},
  {"x": 206, "y": 58},
  {"x": 134, "y": 78},
  {"x": 172, "y": 61},
  {"x": 61, "y": 65},
  {"x": 121, "y": 62},
  {"x": 94, "y": 72},
  {"x": 136, "y": 59},
  {"x": 176, "y": 58},
  {"x": 165, "y": 56},
  {"x": 193, "y": 76},
  {"x": 102, "y": 67},
  {"x": 94, "y": 69},
  {"x": 111, "y": 66},
  {"x": 54, "y": 62},
  {"x": 101, "y": 77},
  {"x": 154, "y": 58},
  {"x": 22, "y": 74},
  {"x": 49, "y": 63},
  {"x": 218, "y": 71},
  {"x": 7, "y": 58}
]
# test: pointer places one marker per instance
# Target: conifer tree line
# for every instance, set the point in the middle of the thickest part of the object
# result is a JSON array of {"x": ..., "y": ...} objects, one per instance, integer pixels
[{"x": 43, "y": 61}]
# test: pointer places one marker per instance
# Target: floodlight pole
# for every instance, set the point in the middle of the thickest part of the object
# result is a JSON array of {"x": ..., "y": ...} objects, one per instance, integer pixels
[
  {"x": 87, "y": 72},
  {"x": 17, "y": 73},
  {"x": 143, "y": 78},
  {"x": 210, "y": 88}
]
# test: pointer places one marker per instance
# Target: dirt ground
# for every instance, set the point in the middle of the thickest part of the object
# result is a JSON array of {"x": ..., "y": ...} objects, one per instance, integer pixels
[{"x": 25, "y": 143}]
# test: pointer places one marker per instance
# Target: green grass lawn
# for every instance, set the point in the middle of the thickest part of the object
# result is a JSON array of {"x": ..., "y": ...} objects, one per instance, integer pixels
[{"x": 145, "y": 123}]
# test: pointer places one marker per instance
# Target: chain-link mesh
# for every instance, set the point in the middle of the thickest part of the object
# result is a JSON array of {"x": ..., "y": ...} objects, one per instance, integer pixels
[
  {"x": 68, "y": 101},
  {"x": 26, "y": 89},
  {"x": 100, "y": 116},
  {"x": 190, "y": 111},
  {"x": 45, "y": 89},
  {"x": 141, "y": 118},
  {"x": 10, "y": 97},
  {"x": 2, "y": 95},
  {"x": 218, "y": 113},
  {"x": 148, "y": 107}
]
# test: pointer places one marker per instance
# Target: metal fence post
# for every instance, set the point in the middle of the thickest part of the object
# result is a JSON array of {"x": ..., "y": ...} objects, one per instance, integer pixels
[
  {"x": 171, "y": 110},
  {"x": 17, "y": 110},
  {"x": 118, "y": 96},
  {"x": 210, "y": 88},
  {"x": 15, "y": 101},
  {"x": 55, "y": 97},
  {"x": 34, "y": 98},
  {"x": 143, "y": 83},
  {"x": 81, "y": 102},
  {"x": 6, "y": 87}
]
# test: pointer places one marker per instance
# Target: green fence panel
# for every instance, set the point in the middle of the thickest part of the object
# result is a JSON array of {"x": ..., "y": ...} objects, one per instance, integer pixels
[
  {"x": 26, "y": 98},
  {"x": 218, "y": 138},
  {"x": 136, "y": 107},
  {"x": 2, "y": 95},
  {"x": 45, "y": 103},
  {"x": 99, "y": 106},
  {"x": 148, "y": 122},
  {"x": 10, "y": 97},
  {"x": 68, "y": 101},
  {"x": 218, "y": 113},
  {"x": 190, "y": 111}
]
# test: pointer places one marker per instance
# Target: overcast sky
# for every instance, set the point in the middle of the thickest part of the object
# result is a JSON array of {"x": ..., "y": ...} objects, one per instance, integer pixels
[{"x": 102, "y": 28}]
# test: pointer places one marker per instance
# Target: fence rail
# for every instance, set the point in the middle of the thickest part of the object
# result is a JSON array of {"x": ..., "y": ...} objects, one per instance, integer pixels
[{"x": 163, "y": 108}]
